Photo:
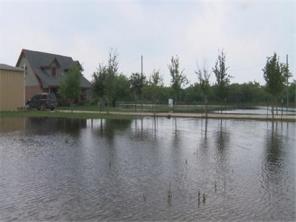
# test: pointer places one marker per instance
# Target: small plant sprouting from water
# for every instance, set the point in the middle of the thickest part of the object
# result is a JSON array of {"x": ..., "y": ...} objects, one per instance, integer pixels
[
  {"x": 199, "y": 198},
  {"x": 204, "y": 198},
  {"x": 170, "y": 195}
]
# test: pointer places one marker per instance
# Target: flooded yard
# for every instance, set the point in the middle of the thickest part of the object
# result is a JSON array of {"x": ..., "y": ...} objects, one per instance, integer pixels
[{"x": 146, "y": 169}]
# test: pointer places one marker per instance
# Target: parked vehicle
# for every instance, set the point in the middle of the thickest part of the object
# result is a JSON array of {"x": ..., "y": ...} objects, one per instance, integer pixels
[{"x": 43, "y": 101}]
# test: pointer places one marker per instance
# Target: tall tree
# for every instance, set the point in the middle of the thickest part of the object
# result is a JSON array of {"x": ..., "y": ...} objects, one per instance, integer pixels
[
  {"x": 222, "y": 77},
  {"x": 121, "y": 87},
  {"x": 104, "y": 79},
  {"x": 112, "y": 72},
  {"x": 137, "y": 82},
  {"x": 178, "y": 78},
  {"x": 70, "y": 84},
  {"x": 274, "y": 75},
  {"x": 155, "y": 79},
  {"x": 153, "y": 89},
  {"x": 99, "y": 78},
  {"x": 204, "y": 83},
  {"x": 287, "y": 75}
]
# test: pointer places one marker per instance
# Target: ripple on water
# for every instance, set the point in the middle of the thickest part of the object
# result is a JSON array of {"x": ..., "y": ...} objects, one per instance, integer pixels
[{"x": 126, "y": 173}]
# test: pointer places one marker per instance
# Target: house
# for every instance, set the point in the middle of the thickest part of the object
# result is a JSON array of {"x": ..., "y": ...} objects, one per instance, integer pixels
[
  {"x": 12, "y": 88},
  {"x": 44, "y": 72}
]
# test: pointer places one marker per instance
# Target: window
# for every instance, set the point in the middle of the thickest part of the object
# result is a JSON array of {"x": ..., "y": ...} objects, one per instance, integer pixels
[{"x": 53, "y": 71}]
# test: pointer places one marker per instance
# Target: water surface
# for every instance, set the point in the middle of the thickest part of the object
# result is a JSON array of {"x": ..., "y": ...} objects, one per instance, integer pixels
[
  {"x": 66, "y": 169},
  {"x": 262, "y": 110}
]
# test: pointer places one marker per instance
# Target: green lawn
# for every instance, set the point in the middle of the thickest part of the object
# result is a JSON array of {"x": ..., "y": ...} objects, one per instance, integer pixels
[
  {"x": 150, "y": 108},
  {"x": 56, "y": 114}
]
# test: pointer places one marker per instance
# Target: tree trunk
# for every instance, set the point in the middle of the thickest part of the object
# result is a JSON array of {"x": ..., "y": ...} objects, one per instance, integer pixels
[
  {"x": 272, "y": 109},
  {"x": 113, "y": 103},
  {"x": 206, "y": 107}
]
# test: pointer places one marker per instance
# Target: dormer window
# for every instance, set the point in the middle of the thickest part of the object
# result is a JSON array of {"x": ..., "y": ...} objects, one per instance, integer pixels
[{"x": 53, "y": 71}]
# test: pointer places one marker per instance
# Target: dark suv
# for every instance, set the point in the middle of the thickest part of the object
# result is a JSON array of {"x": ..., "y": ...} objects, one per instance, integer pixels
[{"x": 43, "y": 101}]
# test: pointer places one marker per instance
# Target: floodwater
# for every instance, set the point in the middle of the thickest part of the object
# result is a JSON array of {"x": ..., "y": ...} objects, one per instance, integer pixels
[
  {"x": 146, "y": 169},
  {"x": 262, "y": 110}
]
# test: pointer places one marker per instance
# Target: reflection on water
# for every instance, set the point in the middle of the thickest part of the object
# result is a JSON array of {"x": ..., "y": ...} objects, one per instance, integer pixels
[
  {"x": 222, "y": 138},
  {"x": 108, "y": 127},
  {"x": 274, "y": 147},
  {"x": 262, "y": 110},
  {"x": 146, "y": 169},
  {"x": 11, "y": 124}
]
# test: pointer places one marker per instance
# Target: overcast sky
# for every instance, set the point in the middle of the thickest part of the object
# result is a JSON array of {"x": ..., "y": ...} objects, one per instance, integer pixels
[{"x": 248, "y": 31}]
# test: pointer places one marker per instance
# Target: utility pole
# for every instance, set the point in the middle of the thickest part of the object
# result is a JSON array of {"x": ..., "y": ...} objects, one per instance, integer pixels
[
  {"x": 141, "y": 95},
  {"x": 141, "y": 64},
  {"x": 287, "y": 64}
]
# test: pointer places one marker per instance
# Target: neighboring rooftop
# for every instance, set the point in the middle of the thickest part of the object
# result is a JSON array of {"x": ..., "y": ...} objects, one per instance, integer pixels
[{"x": 10, "y": 68}]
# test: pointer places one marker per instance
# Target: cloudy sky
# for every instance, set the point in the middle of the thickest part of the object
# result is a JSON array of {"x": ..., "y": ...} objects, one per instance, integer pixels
[{"x": 247, "y": 30}]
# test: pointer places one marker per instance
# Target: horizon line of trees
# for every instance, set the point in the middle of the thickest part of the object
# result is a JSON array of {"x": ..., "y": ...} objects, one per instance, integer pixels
[{"x": 109, "y": 85}]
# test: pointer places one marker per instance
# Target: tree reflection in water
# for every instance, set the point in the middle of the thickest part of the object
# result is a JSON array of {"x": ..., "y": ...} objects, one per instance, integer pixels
[
  {"x": 109, "y": 127},
  {"x": 45, "y": 126},
  {"x": 274, "y": 150},
  {"x": 222, "y": 143},
  {"x": 274, "y": 146},
  {"x": 204, "y": 141}
]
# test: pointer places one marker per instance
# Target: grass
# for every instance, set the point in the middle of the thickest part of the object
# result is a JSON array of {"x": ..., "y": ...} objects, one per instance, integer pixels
[
  {"x": 119, "y": 112},
  {"x": 159, "y": 108},
  {"x": 56, "y": 114},
  {"x": 114, "y": 115}
]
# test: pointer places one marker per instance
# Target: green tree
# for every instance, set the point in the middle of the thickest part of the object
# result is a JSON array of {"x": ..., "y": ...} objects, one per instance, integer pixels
[
  {"x": 274, "y": 76},
  {"x": 193, "y": 94},
  {"x": 155, "y": 79},
  {"x": 121, "y": 87},
  {"x": 178, "y": 78},
  {"x": 99, "y": 78},
  {"x": 222, "y": 78},
  {"x": 112, "y": 72},
  {"x": 287, "y": 75},
  {"x": 70, "y": 84},
  {"x": 153, "y": 89},
  {"x": 204, "y": 83},
  {"x": 137, "y": 81},
  {"x": 292, "y": 92},
  {"x": 104, "y": 80}
]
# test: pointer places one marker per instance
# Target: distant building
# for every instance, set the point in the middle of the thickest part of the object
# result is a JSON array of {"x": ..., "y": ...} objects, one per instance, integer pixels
[
  {"x": 44, "y": 72},
  {"x": 12, "y": 89}
]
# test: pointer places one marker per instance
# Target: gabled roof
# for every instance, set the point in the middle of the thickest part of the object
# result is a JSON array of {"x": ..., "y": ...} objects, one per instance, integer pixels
[
  {"x": 39, "y": 61},
  {"x": 54, "y": 61}
]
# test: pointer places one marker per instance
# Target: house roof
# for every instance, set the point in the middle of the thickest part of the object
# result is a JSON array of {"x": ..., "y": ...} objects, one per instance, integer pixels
[
  {"x": 39, "y": 61},
  {"x": 10, "y": 68}
]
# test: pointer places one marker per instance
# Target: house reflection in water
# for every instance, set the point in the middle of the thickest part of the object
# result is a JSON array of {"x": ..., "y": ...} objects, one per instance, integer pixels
[
  {"x": 42, "y": 126},
  {"x": 12, "y": 124}
]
